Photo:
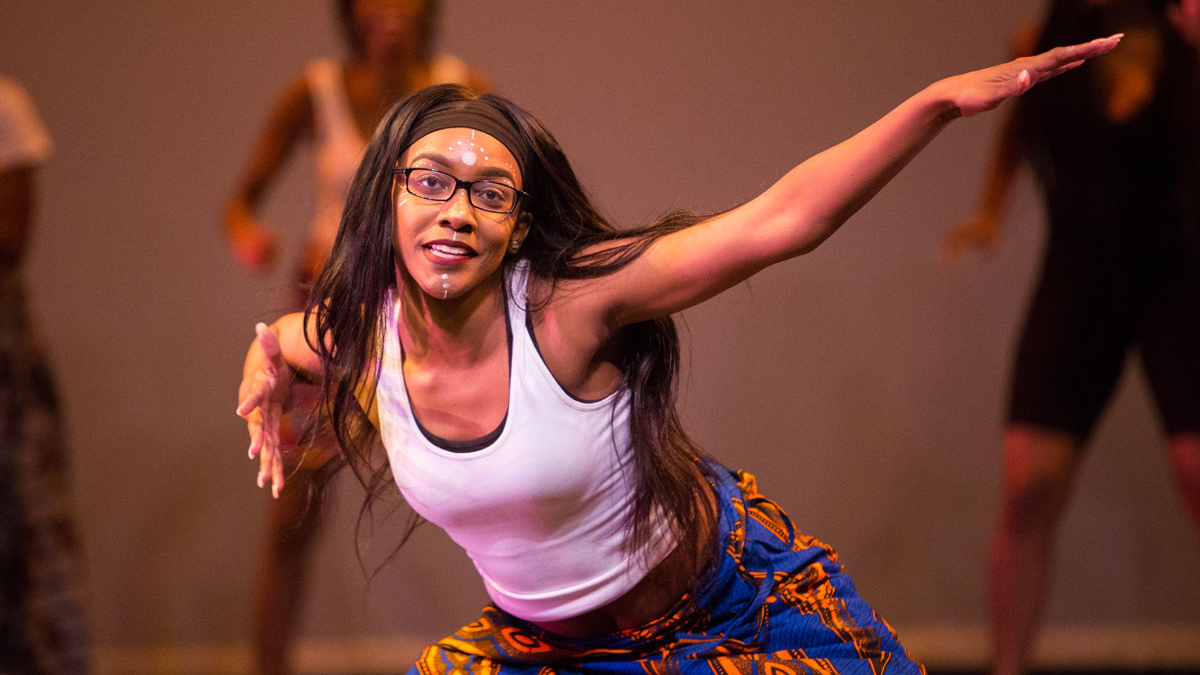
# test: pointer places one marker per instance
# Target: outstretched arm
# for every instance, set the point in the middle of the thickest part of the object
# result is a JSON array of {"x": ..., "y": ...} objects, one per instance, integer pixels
[{"x": 812, "y": 200}]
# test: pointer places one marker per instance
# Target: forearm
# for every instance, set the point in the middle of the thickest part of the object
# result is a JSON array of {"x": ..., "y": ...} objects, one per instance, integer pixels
[
  {"x": 812, "y": 200},
  {"x": 239, "y": 215}
]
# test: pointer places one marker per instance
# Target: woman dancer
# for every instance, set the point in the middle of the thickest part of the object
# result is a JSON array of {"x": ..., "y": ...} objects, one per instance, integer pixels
[
  {"x": 515, "y": 355},
  {"x": 1116, "y": 151}
]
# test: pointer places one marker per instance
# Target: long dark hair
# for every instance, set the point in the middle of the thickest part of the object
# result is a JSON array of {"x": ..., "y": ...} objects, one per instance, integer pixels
[{"x": 347, "y": 301}]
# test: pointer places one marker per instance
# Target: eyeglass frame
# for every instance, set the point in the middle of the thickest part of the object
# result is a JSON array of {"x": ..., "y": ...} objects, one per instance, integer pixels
[{"x": 458, "y": 185}]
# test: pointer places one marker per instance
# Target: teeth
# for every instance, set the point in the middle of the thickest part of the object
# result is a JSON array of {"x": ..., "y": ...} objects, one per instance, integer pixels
[{"x": 448, "y": 250}]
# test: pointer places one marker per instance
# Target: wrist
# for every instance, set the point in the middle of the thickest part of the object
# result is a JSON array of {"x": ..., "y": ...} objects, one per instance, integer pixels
[{"x": 940, "y": 100}]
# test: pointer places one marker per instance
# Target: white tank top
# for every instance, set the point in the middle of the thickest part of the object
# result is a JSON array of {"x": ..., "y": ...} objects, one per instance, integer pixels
[{"x": 540, "y": 504}]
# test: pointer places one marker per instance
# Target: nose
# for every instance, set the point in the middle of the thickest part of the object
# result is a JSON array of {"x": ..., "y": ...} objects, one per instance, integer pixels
[{"x": 457, "y": 212}]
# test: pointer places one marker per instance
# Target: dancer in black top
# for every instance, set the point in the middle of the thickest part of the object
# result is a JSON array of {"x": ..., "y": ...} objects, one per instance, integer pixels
[{"x": 1116, "y": 152}]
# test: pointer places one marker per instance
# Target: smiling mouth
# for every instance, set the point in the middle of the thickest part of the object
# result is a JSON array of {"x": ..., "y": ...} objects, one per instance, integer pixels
[{"x": 450, "y": 251}]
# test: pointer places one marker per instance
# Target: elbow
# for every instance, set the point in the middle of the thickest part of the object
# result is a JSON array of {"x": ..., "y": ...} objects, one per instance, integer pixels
[{"x": 810, "y": 237}]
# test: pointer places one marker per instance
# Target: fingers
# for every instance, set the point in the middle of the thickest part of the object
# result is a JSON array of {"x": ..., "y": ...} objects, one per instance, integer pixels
[
  {"x": 254, "y": 425},
  {"x": 262, "y": 411},
  {"x": 270, "y": 347},
  {"x": 252, "y": 399},
  {"x": 1061, "y": 59},
  {"x": 1062, "y": 69},
  {"x": 270, "y": 459}
]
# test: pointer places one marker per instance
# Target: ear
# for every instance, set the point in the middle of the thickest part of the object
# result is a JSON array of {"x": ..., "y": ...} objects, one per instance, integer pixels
[{"x": 520, "y": 229}]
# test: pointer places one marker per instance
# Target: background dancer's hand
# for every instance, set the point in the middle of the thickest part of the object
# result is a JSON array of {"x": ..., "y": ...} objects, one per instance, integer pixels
[
  {"x": 982, "y": 90},
  {"x": 261, "y": 398},
  {"x": 979, "y": 231},
  {"x": 254, "y": 244}
]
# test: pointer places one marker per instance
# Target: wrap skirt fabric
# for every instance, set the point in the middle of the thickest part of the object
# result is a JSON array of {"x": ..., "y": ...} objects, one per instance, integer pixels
[{"x": 776, "y": 603}]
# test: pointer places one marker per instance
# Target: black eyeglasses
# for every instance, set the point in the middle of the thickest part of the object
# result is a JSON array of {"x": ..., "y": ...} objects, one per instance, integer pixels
[{"x": 439, "y": 186}]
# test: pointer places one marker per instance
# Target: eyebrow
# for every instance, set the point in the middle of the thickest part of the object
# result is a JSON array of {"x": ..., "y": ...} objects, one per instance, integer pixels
[{"x": 487, "y": 172}]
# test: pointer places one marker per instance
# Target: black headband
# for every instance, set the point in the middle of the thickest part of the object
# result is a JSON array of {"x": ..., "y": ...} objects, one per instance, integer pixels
[{"x": 472, "y": 114}]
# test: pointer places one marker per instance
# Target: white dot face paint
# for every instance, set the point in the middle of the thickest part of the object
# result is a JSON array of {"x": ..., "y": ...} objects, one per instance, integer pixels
[{"x": 469, "y": 158}]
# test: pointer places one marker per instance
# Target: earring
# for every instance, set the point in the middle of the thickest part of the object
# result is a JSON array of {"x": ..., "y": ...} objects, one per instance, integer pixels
[{"x": 514, "y": 245}]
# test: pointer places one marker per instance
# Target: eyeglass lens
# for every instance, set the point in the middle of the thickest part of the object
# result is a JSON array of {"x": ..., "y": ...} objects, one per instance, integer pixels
[{"x": 441, "y": 186}]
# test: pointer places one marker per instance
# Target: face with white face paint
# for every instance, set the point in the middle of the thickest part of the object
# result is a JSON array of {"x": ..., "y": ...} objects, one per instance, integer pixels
[{"x": 451, "y": 248}]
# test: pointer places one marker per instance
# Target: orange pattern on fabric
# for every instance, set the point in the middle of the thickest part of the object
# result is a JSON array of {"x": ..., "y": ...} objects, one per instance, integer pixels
[{"x": 801, "y": 599}]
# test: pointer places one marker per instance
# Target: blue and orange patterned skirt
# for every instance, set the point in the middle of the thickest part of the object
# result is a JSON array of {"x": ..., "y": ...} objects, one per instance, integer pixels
[{"x": 777, "y": 603}]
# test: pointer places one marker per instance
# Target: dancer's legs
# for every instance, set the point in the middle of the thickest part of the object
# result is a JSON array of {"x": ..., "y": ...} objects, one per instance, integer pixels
[
  {"x": 1039, "y": 470},
  {"x": 292, "y": 527}
]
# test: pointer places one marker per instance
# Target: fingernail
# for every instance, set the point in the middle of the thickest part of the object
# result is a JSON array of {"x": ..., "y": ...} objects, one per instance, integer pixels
[{"x": 260, "y": 480}]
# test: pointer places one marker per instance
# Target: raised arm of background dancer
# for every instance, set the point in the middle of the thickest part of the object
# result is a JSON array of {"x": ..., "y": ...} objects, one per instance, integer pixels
[
  {"x": 254, "y": 243},
  {"x": 811, "y": 201},
  {"x": 277, "y": 353},
  {"x": 981, "y": 229},
  {"x": 16, "y": 208}
]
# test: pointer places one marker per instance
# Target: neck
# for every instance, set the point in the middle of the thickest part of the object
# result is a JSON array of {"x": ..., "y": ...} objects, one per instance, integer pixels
[{"x": 459, "y": 330}]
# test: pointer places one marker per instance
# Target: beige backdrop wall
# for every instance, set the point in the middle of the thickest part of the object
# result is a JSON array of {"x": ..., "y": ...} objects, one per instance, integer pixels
[{"x": 863, "y": 383}]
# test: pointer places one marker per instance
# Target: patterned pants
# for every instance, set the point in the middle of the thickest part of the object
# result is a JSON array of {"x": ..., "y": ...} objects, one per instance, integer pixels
[
  {"x": 776, "y": 604},
  {"x": 41, "y": 621}
]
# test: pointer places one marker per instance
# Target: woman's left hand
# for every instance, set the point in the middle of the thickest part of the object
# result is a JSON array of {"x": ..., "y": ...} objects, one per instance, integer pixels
[{"x": 982, "y": 90}]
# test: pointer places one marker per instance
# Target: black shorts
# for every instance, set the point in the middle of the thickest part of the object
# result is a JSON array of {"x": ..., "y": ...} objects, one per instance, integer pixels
[{"x": 1099, "y": 296}]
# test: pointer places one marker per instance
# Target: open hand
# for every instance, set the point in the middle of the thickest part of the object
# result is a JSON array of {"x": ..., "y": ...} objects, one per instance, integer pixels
[
  {"x": 254, "y": 245},
  {"x": 260, "y": 402},
  {"x": 982, "y": 90},
  {"x": 978, "y": 231}
]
